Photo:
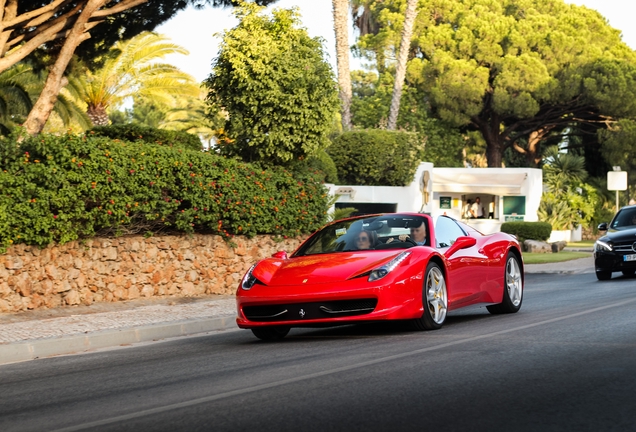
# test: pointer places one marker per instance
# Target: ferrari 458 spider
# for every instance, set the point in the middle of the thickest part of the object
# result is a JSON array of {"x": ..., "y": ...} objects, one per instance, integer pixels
[{"x": 382, "y": 267}]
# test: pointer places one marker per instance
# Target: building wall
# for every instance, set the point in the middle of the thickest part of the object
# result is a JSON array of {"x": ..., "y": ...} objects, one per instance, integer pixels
[
  {"x": 495, "y": 182},
  {"x": 127, "y": 268},
  {"x": 415, "y": 197}
]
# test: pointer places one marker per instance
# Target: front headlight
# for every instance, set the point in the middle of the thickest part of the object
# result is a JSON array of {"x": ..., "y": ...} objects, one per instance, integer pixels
[
  {"x": 248, "y": 280},
  {"x": 387, "y": 268},
  {"x": 603, "y": 246}
]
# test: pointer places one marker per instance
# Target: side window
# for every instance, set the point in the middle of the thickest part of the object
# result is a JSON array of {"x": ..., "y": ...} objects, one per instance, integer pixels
[{"x": 446, "y": 232}]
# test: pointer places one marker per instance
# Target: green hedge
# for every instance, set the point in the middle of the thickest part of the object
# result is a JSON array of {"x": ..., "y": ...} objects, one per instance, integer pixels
[
  {"x": 134, "y": 132},
  {"x": 58, "y": 189},
  {"x": 528, "y": 230},
  {"x": 376, "y": 157}
]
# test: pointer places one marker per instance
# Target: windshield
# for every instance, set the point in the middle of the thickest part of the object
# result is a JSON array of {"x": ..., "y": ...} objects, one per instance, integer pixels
[
  {"x": 368, "y": 233},
  {"x": 624, "y": 218}
]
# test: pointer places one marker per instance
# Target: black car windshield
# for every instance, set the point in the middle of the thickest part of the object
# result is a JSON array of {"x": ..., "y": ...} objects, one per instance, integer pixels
[
  {"x": 624, "y": 218},
  {"x": 368, "y": 233}
]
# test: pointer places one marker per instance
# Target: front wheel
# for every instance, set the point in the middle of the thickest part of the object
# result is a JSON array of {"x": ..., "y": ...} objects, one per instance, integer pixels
[
  {"x": 513, "y": 288},
  {"x": 434, "y": 299},
  {"x": 270, "y": 333}
]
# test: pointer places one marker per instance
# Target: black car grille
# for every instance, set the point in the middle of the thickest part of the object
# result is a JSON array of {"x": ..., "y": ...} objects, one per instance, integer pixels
[
  {"x": 309, "y": 311},
  {"x": 625, "y": 247}
]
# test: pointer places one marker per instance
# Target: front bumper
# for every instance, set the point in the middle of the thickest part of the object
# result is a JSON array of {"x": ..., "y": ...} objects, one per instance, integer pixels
[
  {"x": 612, "y": 261},
  {"x": 329, "y": 304}
]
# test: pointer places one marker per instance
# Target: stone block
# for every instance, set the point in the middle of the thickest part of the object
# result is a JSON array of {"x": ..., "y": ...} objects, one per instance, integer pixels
[{"x": 536, "y": 246}]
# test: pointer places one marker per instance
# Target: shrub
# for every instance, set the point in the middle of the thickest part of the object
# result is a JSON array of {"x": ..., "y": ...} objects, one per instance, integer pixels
[
  {"x": 58, "y": 189},
  {"x": 134, "y": 132},
  {"x": 322, "y": 162},
  {"x": 528, "y": 230},
  {"x": 376, "y": 157}
]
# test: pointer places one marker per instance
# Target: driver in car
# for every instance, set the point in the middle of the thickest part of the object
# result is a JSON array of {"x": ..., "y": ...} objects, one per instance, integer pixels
[{"x": 418, "y": 235}]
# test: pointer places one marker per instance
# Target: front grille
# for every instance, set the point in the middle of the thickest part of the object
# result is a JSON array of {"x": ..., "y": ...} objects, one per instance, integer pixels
[
  {"x": 624, "y": 247},
  {"x": 310, "y": 311}
]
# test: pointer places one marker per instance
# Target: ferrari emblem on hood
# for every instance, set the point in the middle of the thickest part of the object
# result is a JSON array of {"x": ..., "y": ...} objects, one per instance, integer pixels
[
  {"x": 305, "y": 280},
  {"x": 301, "y": 313}
]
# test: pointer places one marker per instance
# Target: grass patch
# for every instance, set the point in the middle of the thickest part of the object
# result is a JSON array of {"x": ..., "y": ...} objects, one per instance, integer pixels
[
  {"x": 544, "y": 258},
  {"x": 584, "y": 243}
]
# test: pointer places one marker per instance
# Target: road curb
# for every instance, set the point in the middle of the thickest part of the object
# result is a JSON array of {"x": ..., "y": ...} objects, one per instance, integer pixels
[{"x": 39, "y": 348}]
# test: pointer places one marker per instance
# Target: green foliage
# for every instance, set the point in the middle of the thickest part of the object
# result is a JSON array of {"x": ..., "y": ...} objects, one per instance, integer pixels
[
  {"x": 519, "y": 72},
  {"x": 567, "y": 202},
  {"x": 136, "y": 132},
  {"x": 528, "y": 230},
  {"x": 63, "y": 188},
  {"x": 619, "y": 146},
  {"x": 119, "y": 26},
  {"x": 278, "y": 92},
  {"x": 443, "y": 144},
  {"x": 321, "y": 161},
  {"x": 376, "y": 157},
  {"x": 338, "y": 213}
]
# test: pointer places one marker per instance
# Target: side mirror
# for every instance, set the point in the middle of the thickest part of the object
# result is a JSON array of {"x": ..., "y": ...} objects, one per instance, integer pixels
[
  {"x": 280, "y": 255},
  {"x": 460, "y": 243},
  {"x": 603, "y": 226}
]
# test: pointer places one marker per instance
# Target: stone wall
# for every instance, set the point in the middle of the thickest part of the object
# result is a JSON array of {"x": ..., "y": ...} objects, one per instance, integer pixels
[{"x": 126, "y": 268}]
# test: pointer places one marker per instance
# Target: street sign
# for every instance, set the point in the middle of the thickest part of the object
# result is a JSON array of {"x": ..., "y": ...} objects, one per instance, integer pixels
[{"x": 617, "y": 180}]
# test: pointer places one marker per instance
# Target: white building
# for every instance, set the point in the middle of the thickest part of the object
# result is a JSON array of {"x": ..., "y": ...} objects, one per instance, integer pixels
[{"x": 505, "y": 194}]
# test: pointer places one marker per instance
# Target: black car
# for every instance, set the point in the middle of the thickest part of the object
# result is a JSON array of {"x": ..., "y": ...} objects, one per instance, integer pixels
[{"x": 616, "y": 250}]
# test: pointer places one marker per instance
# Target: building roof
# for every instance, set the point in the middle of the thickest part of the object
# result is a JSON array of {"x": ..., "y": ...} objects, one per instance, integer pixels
[{"x": 496, "y": 181}]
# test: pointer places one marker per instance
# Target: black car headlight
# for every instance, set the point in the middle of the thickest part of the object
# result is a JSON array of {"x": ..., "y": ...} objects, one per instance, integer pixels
[
  {"x": 249, "y": 280},
  {"x": 603, "y": 246},
  {"x": 387, "y": 268}
]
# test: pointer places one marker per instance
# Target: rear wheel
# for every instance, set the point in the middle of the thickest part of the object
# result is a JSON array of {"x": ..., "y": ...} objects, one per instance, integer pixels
[
  {"x": 434, "y": 299},
  {"x": 603, "y": 275},
  {"x": 270, "y": 333},
  {"x": 513, "y": 288}
]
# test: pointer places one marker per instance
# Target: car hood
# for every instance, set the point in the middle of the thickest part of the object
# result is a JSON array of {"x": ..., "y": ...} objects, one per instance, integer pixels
[
  {"x": 621, "y": 235},
  {"x": 319, "y": 269}
]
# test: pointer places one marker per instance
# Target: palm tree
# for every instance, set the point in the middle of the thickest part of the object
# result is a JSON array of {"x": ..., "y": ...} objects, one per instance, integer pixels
[
  {"x": 15, "y": 100},
  {"x": 20, "y": 85},
  {"x": 193, "y": 115},
  {"x": 400, "y": 73},
  {"x": 341, "y": 28},
  {"x": 130, "y": 70}
]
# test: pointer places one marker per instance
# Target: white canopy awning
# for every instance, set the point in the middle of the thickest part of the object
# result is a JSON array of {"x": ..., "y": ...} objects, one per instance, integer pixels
[{"x": 477, "y": 180}]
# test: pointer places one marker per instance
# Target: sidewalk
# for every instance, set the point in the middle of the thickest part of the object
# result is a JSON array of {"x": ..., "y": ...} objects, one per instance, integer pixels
[{"x": 45, "y": 333}]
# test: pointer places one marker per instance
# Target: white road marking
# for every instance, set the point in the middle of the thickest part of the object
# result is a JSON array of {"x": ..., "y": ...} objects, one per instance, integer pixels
[{"x": 330, "y": 371}]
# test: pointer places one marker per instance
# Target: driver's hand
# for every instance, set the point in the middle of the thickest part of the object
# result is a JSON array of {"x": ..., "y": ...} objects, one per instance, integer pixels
[{"x": 403, "y": 237}]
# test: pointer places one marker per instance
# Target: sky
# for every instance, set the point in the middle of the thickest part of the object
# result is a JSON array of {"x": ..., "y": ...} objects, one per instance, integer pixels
[{"x": 195, "y": 29}]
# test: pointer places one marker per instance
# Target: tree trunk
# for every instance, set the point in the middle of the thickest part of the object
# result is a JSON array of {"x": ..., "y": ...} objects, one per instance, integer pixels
[
  {"x": 400, "y": 73},
  {"x": 44, "y": 105},
  {"x": 495, "y": 142},
  {"x": 98, "y": 115},
  {"x": 341, "y": 28},
  {"x": 8, "y": 12},
  {"x": 494, "y": 153}
]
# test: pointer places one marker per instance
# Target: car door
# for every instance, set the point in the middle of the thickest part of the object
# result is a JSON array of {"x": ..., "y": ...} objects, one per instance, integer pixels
[{"x": 467, "y": 276}]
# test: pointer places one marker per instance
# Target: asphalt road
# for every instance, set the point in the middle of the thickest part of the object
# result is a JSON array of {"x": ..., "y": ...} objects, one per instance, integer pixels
[{"x": 566, "y": 361}]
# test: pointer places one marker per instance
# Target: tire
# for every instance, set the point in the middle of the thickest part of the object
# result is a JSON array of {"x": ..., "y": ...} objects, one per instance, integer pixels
[
  {"x": 628, "y": 272},
  {"x": 270, "y": 333},
  {"x": 603, "y": 275},
  {"x": 513, "y": 288},
  {"x": 434, "y": 299}
]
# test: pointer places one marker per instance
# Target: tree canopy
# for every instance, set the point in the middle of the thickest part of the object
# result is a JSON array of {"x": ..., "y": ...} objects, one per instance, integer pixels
[
  {"x": 273, "y": 82},
  {"x": 521, "y": 72},
  {"x": 55, "y": 29}
]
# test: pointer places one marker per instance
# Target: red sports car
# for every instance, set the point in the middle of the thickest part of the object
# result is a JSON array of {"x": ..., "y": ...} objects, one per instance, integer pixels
[{"x": 382, "y": 267}]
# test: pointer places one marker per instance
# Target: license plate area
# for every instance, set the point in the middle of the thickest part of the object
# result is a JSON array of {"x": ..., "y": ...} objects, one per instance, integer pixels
[{"x": 631, "y": 257}]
